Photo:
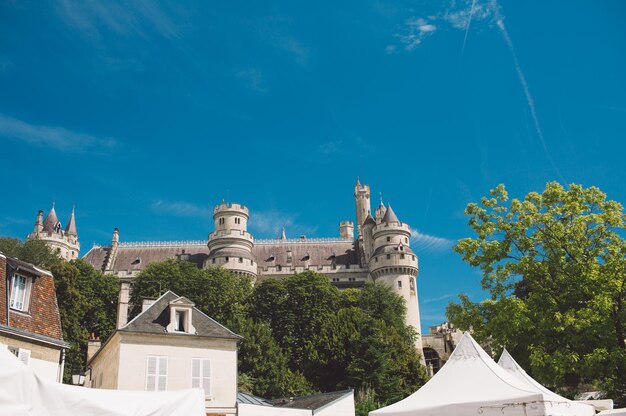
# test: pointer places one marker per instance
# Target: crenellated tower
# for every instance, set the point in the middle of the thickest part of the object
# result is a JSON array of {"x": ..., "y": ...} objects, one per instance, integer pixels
[
  {"x": 49, "y": 230},
  {"x": 385, "y": 249},
  {"x": 230, "y": 244}
]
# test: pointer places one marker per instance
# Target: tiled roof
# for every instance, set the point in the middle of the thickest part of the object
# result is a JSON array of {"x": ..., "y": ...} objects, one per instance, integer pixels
[{"x": 156, "y": 318}]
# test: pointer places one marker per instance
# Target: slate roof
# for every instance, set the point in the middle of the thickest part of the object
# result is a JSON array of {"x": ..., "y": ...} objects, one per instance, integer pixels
[
  {"x": 250, "y": 399},
  {"x": 369, "y": 220},
  {"x": 313, "y": 402},
  {"x": 70, "y": 229},
  {"x": 155, "y": 319},
  {"x": 51, "y": 221},
  {"x": 136, "y": 258},
  {"x": 390, "y": 216}
]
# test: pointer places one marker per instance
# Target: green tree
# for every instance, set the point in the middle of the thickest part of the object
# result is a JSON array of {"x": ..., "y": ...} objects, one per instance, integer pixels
[
  {"x": 554, "y": 266},
  {"x": 263, "y": 365},
  {"x": 87, "y": 301},
  {"x": 215, "y": 291},
  {"x": 35, "y": 252}
]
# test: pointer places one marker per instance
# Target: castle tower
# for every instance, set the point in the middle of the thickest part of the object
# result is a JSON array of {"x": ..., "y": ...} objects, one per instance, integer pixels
[
  {"x": 362, "y": 200},
  {"x": 63, "y": 242},
  {"x": 230, "y": 244},
  {"x": 346, "y": 230},
  {"x": 394, "y": 263}
]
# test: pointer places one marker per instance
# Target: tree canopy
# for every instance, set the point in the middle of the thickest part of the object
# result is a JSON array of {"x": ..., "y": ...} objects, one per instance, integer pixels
[
  {"x": 301, "y": 334},
  {"x": 553, "y": 264}
]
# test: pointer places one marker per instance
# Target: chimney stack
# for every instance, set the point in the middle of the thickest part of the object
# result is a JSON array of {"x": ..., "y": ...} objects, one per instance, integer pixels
[{"x": 93, "y": 345}]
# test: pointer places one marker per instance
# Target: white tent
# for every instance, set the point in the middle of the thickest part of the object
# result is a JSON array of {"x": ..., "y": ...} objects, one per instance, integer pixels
[
  {"x": 559, "y": 405},
  {"x": 470, "y": 383},
  {"x": 22, "y": 392}
]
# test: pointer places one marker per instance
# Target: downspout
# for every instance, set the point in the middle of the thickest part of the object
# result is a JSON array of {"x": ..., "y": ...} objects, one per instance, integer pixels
[
  {"x": 9, "y": 276},
  {"x": 61, "y": 366}
]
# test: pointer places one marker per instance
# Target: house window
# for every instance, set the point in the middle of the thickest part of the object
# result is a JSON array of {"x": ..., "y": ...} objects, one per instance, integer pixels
[
  {"x": 201, "y": 374},
  {"x": 156, "y": 373},
  {"x": 20, "y": 288},
  {"x": 21, "y": 353},
  {"x": 180, "y": 324}
]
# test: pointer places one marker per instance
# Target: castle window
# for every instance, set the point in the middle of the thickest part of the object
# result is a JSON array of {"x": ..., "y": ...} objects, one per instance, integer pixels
[
  {"x": 388, "y": 239},
  {"x": 240, "y": 259},
  {"x": 251, "y": 262},
  {"x": 20, "y": 292},
  {"x": 401, "y": 256},
  {"x": 226, "y": 259},
  {"x": 335, "y": 279},
  {"x": 406, "y": 240},
  {"x": 399, "y": 284},
  {"x": 376, "y": 259},
  {"x": 413, "y": 257},
  {"x": 213, "y": 260},
  {"x": 279, "y": 267},
  {"x": 388, "y": 256},
  {"x": 351, "y": 279}
]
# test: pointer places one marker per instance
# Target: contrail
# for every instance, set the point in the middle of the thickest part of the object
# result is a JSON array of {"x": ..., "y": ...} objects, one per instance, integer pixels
[
  {"x": 469, "y": 22},
  {"x": 522, "y": 78}
]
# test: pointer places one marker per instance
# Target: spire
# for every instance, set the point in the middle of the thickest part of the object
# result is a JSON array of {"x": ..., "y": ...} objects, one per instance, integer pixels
[
  {"x": 390, "y": 216},
  {"x": 70, "y": 229},
  {"x": 283, "y": 236},
  {"x": 51, "y": 224},
  {"x": 358, "y": 182}
]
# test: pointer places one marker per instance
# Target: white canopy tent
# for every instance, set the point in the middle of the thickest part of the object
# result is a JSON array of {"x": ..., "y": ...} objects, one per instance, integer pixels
[
  {"x": 22, "y": 392},
  {"x": 559, "y": 405},
  {"x": 469, "y": 384}
]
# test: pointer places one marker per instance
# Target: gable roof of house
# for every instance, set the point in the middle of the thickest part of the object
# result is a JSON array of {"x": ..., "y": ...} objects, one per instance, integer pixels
[
  {"x": 312, "y": 402},
  {"x": 156, "y": 318}
]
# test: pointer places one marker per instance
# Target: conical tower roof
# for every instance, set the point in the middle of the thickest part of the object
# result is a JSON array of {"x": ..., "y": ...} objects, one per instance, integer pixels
[
  {"x": 390, "y": 216},
  {"x": 51, "y": 224},
  {"x": 70, "y": 229},
  {"x": 369, "y": 220}
]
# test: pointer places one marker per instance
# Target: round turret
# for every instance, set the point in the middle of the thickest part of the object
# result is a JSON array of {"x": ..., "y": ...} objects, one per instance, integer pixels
[
  {"x": 63, "y": 242},
  {"x": 230, "y": 244}
]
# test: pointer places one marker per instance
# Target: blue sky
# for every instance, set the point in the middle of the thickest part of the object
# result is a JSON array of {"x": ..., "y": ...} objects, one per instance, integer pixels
[{"x": 146, "y": 114}]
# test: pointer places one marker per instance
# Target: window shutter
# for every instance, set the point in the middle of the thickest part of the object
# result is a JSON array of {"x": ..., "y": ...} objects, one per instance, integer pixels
[
  {"x": 206, "y": 376},
  {"x": 24, "y": 355},
  {"x": 151, "y": 374},
  {"x": 195, "y": 372},
  {"x": 162, "y": 374},
  {"x": 201, "y": 374}
]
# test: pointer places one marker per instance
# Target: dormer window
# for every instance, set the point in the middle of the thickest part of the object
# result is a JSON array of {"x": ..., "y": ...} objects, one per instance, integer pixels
[
  {"x": 20, "y": 292},
  {"x": 180, "y": 316}
]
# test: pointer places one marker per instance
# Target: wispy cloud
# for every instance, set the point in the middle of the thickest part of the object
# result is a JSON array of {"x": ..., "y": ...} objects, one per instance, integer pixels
[
  {"x": 438, "y": 298},
  {"x": 529, "y": 98},
  {"x": 136, "y": 17},
  {"x": 330, "y": 147},
  {"x": 58, "y": 138},
  {"x": 180, "y": 209},
  {"x": 426, "y": 242},
  {"x": 412, "y": 33},
  {"x": 269, "y": 224},
  {"x": 253, "y": 79}
]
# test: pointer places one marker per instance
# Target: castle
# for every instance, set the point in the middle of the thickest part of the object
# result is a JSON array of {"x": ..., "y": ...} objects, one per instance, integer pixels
[
  {"x": 380, "y": 251},
  {"x": 63, "y": 242}
]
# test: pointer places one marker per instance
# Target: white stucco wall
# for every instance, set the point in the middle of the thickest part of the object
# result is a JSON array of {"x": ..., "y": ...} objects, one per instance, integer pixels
[
  {"x": 179, "y": 351},
  {"x": 341, "y": 407},
  {"x": 255, "y": 410}
]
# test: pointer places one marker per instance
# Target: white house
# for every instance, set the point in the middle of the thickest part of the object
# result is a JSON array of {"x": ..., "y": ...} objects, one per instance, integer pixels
[{"x": 170, "y": 345}]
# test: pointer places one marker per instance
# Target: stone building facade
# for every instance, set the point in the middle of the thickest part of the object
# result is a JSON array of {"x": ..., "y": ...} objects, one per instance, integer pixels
[
  {"x": 377, "y": 249},
  {"x": 62, "y": 241},
  {"x": 30, "y": 324}
]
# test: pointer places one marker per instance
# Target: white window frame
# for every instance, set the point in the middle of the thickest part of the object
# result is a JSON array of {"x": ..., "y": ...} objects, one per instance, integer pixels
[
  {"x": 202, "y": 377},
  {"x": 16, "y": 291},
  {"x": 159, "y": 375}
]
